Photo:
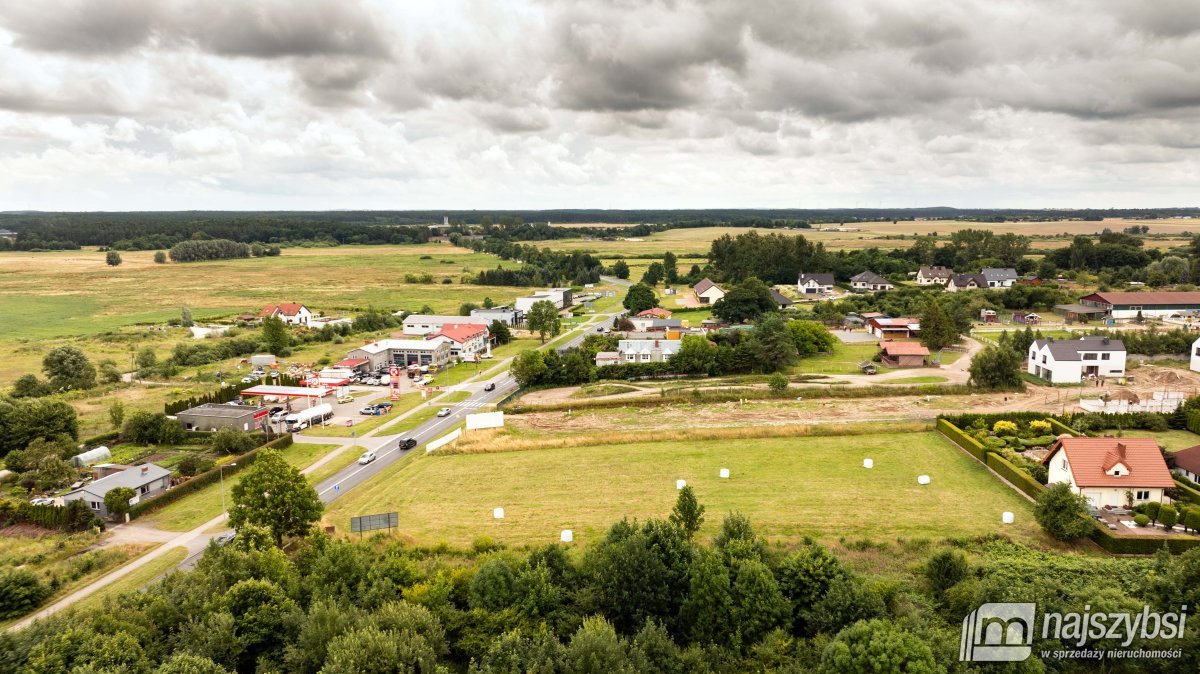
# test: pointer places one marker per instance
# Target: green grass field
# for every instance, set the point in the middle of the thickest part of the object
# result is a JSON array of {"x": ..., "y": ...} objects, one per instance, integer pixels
[
  {"x": 189, "y": 513},
  {"x": 1172, "y": 440},
  {"x": 790, "y": 488},
  {"x": 844, "y": 359}
]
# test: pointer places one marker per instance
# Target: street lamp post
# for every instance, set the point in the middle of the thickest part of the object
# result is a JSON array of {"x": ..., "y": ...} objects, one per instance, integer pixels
[{"x": 221, "y": 472}]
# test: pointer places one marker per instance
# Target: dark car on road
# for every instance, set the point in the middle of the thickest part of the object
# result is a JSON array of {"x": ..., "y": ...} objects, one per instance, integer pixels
[
  {"x": 407, "y": 443},
  {"x": 490, "y": 387}
]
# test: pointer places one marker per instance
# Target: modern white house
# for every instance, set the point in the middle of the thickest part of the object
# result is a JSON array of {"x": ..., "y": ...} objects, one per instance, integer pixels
[
  {"x": 869, "y": 281},
  {"x": 1070, "y": 361},
  {"x": 1114, "y": 472},
  {"x": 292, "y": 314},
  {"x": 708, "y": 292},
  {"x": 1195, "y": 362},
  {"x": 886, "y": 327},
  {"x": 999, "y": 277},
  {"x": 814, "y": 284},
  {"x": 934, "y": 276}
]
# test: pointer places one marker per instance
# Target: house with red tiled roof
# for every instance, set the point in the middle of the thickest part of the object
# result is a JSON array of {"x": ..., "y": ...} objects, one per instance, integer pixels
[
  {"x": 292, "y": 314},
  {"x": 1110, "y": 471},
  {"x": 467, "y": 340},
  {"x": 903, "y": 354},
  {"x": 655, "y": 312}
]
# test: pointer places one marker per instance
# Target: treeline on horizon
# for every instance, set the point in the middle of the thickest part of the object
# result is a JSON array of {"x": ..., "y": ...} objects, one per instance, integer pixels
[{"x": 160, "y": 230}]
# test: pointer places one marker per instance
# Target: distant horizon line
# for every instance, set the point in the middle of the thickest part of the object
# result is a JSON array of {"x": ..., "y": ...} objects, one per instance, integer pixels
[{"x": 866, "y": 209}]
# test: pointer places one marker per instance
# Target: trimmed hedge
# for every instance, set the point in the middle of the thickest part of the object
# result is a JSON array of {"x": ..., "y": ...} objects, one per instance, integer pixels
[
  {"x": 1017, "y": 477},
  {"x": 102, "y": 439},
  {"x": 74, "y": 516},
  {"x": 990, "y": 418},
  {"x": 1188, "y": 492},
  {"x": 1139, "y": 545},
  {"x": 204, "y": 479},
  {"x": 1059, "y": 427},
  {"x": 1193, "y": 420},
  {"x": 960, "y": 438}
]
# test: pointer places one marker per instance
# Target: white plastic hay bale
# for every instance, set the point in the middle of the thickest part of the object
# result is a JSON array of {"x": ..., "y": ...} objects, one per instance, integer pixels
[
  {"x": 566, "y": 536},
  {"x": 1007, "y": 517},
  {"x": 724, "y": 473},
  {"x": 922, "y": 479},
  {"x": 680, "y": 484},
  {"x": 868, "y": 463},
  {"x": 498, "y": 513}
]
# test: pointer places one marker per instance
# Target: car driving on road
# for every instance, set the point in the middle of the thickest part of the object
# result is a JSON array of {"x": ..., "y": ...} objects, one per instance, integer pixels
[
  {"x": 490, "y": 387},
  {"x": 444, "y": 412},
  {"x": 367, "y": 457},
  {"x": 407, "y": 443}
]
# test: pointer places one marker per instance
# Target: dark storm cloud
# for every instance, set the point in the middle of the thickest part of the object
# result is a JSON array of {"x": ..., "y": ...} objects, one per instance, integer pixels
[
  {"x": 280, "y": 28},
  {"x": 80, "y": 26}
]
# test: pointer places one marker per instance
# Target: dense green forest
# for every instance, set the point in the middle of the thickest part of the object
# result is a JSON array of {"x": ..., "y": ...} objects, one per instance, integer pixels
[
  {"x": 154, "y": 230},
  {"x": 648, "y": 597}
]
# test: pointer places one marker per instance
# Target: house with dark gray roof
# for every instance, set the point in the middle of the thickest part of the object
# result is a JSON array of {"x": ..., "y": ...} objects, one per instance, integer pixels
[
  {"x": 815, "y": 284},
  {"x": 869, "y": 281},
  {"x": 960, "y": 282},
  {"x": 1070, "y": 361},
  {"x": 999, "y": 277},
  {"x": 145, "y": 480},
  {"x": 780, "y": 299},
  {"x": 708, "y": 292}
]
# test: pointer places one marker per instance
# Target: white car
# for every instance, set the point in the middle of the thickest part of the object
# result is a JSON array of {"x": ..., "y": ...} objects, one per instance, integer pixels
[
  {"x": 278, "y": 416},
  {"x": 367, "y": 457},
  {"x": 444, "y": 412}
]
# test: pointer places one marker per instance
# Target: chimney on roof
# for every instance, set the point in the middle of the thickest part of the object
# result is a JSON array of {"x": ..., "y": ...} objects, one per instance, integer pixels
[
  {"x": 145, "y": 469},
  {"x": 1121, "y": 450},
  {"x": 1104, "y": 341}
]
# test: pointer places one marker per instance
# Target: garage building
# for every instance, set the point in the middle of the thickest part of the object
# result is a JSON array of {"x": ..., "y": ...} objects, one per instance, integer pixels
[
  {"x": 403, "y": 352},
  {"x": 215, "y": 416}
]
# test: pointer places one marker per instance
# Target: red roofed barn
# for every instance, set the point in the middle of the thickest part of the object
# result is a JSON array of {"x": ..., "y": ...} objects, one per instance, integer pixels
[{"x": 904, "y": 354}]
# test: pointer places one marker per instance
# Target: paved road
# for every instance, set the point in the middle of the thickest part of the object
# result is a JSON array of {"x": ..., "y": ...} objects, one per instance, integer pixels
[{"x": 348, "y": 478}]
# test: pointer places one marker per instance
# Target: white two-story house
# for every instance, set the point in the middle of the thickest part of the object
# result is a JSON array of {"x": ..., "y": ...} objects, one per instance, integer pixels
[
  {"x": 814, "y": 284},
  {"x": 1110, "y": 471},
  {"x": 1070, "y": 361}
]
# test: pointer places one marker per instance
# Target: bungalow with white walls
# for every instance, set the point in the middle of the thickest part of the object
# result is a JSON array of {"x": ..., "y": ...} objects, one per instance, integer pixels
[
  {"x": 1187, "y": 462},
  {"x": 934, "y": 276},
  {"x": 292, "y": 314},
  {"x": 1110, "y": 471},
  {"x": 708, "y": 292},
  {"x": 1070, "y": 361}
]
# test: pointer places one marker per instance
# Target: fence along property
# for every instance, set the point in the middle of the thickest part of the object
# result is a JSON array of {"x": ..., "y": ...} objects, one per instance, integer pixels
[{"x": 1022, "y": 482}]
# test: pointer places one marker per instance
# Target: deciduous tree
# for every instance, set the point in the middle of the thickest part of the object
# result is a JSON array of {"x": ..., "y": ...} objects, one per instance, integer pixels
[
  {"x": 274, "y": 495},
  {"x": 1062, "y": 513},
  {"x": 543, "y": 319}
]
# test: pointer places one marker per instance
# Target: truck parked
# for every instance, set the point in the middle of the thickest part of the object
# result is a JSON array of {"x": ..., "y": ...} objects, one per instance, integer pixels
[{"x": 302, "y": 419}]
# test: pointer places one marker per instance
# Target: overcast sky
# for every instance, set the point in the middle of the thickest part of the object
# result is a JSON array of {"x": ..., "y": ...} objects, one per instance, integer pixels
[{"x": 313, "y": 104}]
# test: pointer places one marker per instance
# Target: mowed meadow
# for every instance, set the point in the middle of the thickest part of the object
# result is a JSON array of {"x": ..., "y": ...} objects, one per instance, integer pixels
[
  {"x": 696, "y": 241},
  {"x": 47, "y": 298},
  {"x": 789, "y": 487}
]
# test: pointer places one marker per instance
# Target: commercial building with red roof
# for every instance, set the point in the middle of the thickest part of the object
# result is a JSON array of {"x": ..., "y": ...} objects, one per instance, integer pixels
[
  {"x": 1110, "y": 471},
  {"x": 291, "y": 313},
  {"x": 1147, "y": 304},
  {"x": 466, "y": 339}
]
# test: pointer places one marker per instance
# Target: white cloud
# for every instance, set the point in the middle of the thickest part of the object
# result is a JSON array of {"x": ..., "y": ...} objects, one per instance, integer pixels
[{"x": 613, "y": 103}]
